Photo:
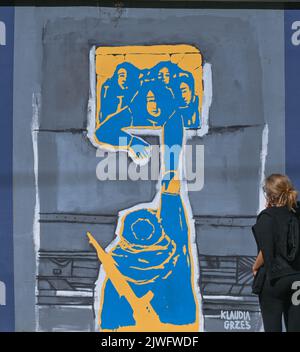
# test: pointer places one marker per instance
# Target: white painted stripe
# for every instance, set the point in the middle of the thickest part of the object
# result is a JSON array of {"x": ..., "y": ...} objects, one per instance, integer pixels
[
  {"x": 91, "y": 114},
  {"x": 229, "y": 298},
  {"x": 36, "y": 105},
  {"x": 2, "y": 33},
  {"x": 212, "y": 316},
  {"x": 263, "y": 157},
  {"x": 65, "y": 306},
  {"x": 207, "y": 99},
  {"x": 62, "y": 293}
]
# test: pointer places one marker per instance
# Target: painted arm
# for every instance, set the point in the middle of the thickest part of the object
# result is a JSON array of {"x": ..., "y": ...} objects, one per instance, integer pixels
[
  {"x": 113, "y": 133},
  {"x": 172, "y": 141},
  {"x": 172, "y": 213}
]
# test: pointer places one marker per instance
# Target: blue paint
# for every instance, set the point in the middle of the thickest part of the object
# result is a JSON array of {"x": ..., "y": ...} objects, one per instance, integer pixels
[
  {"x": 129, "y": 87},
  {"x": 161, "y": 98},
  {"x": 7, "y": 319},
  {"x": 292, "y": 99},
  {"x": 153, "y": 253}
]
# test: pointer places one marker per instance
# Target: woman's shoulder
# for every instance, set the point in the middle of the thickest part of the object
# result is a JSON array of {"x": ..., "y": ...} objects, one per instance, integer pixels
[
  {"x": 281, "y": 214},
  {"x": 267, "y": 212},
  {"x": 264, "y": 224},
  {"x": 267, "y": 217}
]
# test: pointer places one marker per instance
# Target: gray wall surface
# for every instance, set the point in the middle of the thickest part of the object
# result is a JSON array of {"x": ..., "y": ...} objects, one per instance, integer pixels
[{"x": 245, "y": 49}]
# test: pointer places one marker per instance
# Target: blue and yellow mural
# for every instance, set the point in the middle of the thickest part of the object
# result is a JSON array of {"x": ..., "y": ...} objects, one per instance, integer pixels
[
  {"x": 236, "y": 99},
  {"x": 145, "y": 269},
  {"x": 153, "y": 89}
]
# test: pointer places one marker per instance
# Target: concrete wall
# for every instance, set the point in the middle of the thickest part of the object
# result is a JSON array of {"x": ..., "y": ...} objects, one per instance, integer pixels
[{"x": 245, "y": 50}]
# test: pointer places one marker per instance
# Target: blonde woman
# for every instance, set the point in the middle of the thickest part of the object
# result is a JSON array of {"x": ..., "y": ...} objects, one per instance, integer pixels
[{"x": 277, "y": 267}]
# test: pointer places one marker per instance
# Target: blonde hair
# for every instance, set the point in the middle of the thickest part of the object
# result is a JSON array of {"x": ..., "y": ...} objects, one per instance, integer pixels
[{"x": 280, "y": 191}]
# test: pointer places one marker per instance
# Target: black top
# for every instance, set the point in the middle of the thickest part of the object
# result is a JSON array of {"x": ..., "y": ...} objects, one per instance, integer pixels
[{"x": 270, "y": 222}]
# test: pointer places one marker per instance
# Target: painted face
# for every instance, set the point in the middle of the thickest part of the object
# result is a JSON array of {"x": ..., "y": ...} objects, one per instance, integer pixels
[
  {"x": 164, "y": 75},
  {"x": 186, "y": 93},
  {"x": 122, "y": 77},
  {"x": 152, "y": 107}
]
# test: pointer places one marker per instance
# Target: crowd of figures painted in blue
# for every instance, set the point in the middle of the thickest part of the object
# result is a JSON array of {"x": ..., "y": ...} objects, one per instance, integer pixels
[
  {"x": 161, "y": 98},
  {"x": 151, "y": 95}
]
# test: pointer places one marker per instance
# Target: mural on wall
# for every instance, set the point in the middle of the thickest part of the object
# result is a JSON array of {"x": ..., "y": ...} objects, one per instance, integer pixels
[
  {"x": 105, "y": 85},
  {"x": 137, "y": 92},
  {"x": 149, "y": 236},
  {"x": 146, "y": 90}
]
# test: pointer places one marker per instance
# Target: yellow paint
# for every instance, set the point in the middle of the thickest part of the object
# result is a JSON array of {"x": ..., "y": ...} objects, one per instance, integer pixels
[
  {"x": 142, "y": 248},
  {"x": 167, "y": 275},
  {"x": 161, "y": 327},
  {"x": 161, "y": 265},
  {"x": 141, "y": 282},
  {"x": 175, "y": 259},
  {"x": 146, "y": 49},
  {"x": 143, "y": 312}
]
